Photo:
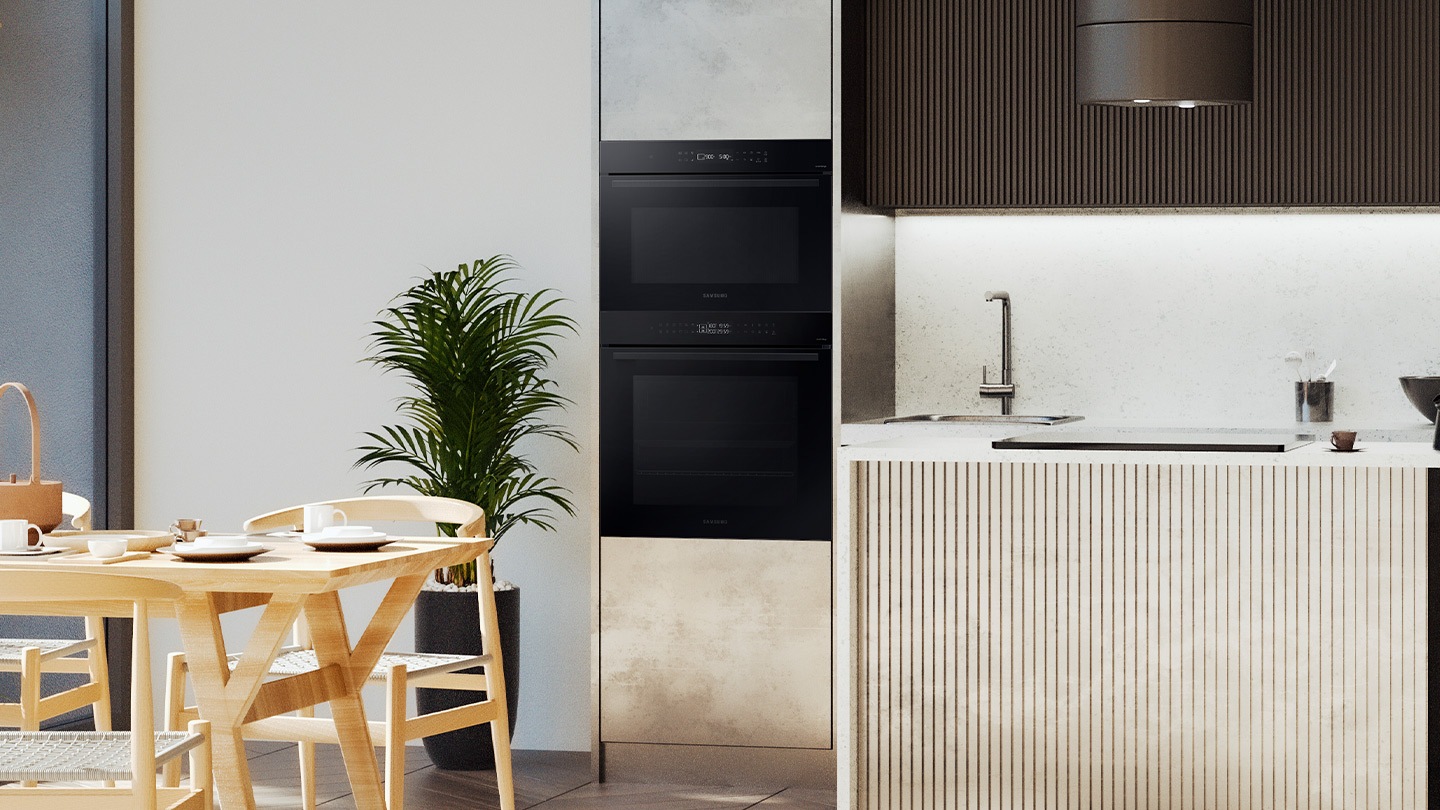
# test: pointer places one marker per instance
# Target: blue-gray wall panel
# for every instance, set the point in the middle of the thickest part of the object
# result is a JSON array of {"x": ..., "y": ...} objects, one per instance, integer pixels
[{"x": 52, "y": 225}]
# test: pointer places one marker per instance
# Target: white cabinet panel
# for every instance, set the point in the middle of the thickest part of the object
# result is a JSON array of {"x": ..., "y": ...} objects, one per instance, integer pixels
[{"x": 703, "y": 69}]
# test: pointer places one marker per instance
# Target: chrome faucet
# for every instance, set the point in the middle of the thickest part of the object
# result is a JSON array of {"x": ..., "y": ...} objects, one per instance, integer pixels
[{"x": 1005, "y": 389}]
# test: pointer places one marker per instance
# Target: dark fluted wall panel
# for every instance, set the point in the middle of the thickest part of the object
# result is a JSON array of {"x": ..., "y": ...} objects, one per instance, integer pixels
[{"x": 972, "y": 104}]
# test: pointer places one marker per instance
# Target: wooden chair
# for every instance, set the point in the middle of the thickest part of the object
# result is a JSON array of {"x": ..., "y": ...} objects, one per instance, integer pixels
[
  {"x": 398, "y": 671},
  {"x": 33, "y": 657},
  {"x": 68, "y": 756}
]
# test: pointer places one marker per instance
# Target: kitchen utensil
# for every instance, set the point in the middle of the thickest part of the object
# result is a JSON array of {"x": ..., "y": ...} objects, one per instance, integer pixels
[
  {"x": 1294, "y": 359},
  {"x": 1421, "y": 391},
  {"x": 1330, "y": 369},
  {"x": 1310, "y": 364},
  {"x": 34, "y": 500}
]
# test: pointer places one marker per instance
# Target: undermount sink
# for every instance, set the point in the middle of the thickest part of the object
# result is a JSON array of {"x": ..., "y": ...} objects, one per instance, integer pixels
[{"x": 985, "y": 418}]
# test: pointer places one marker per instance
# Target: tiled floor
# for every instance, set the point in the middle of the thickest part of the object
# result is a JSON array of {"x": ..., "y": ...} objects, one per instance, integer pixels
[{"x": 552, "y": 780}]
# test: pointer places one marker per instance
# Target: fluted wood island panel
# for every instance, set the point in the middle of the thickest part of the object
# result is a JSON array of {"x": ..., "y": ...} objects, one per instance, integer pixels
[{"x": 1139, "y": 636}]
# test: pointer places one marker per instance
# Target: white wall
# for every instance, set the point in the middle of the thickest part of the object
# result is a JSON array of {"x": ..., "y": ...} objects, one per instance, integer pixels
[
  {"x": 297, "y": 164},
  {"x": 1173, "y": 320}
]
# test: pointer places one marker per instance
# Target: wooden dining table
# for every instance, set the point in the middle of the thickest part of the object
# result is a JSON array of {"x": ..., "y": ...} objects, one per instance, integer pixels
[{"x": 290, "y": 580}]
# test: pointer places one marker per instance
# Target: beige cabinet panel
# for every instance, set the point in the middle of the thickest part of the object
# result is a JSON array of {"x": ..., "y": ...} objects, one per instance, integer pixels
[{"x": 715, "y": 642}]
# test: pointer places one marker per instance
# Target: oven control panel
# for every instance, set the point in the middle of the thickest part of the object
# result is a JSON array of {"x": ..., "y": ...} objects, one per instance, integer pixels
[
  {"x": 722, "y": 157},
  {"x": 715, "y": 329}
]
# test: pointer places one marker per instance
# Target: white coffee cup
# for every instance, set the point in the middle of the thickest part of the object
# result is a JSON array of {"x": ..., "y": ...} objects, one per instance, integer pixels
[
  {"x": 222, "y": 541},
  {"x": 322, "y": 516},
  {"x": 18, "y": 535}
]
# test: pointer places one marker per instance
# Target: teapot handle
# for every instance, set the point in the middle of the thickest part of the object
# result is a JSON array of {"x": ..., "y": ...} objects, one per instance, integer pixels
[{"x": 34, "y": 427}]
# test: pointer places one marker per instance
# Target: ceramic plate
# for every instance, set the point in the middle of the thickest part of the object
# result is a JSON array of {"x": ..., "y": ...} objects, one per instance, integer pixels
[
  {"x": 33, "y": 552},
  {"x": 231, "y": 554},
  {"x": 370, "y": 543},
  {"x": 135, "y": 540}
]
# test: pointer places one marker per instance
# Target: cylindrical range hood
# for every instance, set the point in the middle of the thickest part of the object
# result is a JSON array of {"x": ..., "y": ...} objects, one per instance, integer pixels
[{"x": 1176, "y": 53}]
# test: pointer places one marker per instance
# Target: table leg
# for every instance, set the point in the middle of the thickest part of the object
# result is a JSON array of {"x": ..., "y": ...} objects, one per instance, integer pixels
[
  {"x": 225, "y": 698},
  {"x": 332, "y": 646}
]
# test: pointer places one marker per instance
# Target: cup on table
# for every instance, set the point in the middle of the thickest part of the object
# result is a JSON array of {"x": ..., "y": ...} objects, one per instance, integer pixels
[
  {"x": 186, "y": 529},
  {"x": 1343, "y": 440},
  {"x": 18, "y": 535},
  {"x": 322, "y": 516}
]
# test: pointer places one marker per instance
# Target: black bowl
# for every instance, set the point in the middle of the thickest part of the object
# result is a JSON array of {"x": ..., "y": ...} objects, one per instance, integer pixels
[{"x": 1422, "y": 392}]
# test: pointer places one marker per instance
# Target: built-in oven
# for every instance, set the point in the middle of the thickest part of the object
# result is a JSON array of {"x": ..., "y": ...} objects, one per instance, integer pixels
[
  {"x": 722, "y": 433},
  {"x": 718, "y": 226}
]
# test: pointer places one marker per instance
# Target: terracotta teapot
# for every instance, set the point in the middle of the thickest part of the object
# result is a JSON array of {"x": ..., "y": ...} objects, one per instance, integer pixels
[{"x": 34, "y": 500}]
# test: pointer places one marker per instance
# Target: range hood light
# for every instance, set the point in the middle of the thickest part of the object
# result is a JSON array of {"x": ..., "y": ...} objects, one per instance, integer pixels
[{"x": 1163, "y": 53}]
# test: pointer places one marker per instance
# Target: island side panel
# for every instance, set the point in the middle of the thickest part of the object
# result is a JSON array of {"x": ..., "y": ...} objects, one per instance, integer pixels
[{"x": 1141, "y": 635}]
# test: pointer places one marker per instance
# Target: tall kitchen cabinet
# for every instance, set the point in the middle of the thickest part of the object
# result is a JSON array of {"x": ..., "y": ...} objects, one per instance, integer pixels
[{"x": 713, "y": 655}]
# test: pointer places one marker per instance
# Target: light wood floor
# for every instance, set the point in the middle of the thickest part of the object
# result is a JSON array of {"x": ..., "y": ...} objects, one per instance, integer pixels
[{"x": 551, "y": 780}]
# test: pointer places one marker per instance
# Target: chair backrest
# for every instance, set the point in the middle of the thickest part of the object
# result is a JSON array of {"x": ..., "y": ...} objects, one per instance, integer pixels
[
  {"x": 34, "y": 592},
  {"x": 469, "y": 517},
  {"x": 77, "y": 508}
]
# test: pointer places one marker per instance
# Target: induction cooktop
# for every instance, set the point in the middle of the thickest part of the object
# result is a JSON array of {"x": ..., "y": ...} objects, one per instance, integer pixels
[{"x": 1195, "y": 442}]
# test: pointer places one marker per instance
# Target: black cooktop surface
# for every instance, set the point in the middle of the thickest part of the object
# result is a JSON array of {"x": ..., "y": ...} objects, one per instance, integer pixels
[{"x": 1196, "y": 442}]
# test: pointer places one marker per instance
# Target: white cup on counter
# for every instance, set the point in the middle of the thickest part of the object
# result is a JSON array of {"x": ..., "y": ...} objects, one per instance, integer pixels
[
  {"x": 18, "y": 535},
  {"x": 322, "y": 516}
]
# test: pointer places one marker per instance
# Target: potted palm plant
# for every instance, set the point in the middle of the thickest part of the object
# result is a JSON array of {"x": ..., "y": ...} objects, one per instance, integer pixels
[{"x": 476, "y": 353}]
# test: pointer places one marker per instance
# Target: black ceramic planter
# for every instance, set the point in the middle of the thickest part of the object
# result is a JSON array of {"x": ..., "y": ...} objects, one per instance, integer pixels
[{"x": 449, "y": 623}]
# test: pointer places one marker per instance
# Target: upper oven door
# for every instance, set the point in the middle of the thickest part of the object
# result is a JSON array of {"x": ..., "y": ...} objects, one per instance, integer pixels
[
  {"x": 731, "y": 443},
  {"x": 715, "y": 242}
]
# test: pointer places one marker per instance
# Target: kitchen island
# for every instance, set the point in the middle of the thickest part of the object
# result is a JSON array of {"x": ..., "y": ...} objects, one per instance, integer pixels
[{"x": 1042, "y": 628}]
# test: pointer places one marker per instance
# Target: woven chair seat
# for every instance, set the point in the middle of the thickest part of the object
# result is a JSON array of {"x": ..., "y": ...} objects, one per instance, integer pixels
[
  {"x": 298, "y": 662},
  {"x": 12, "y": 649},
  {"x": 58, "y": 756}
]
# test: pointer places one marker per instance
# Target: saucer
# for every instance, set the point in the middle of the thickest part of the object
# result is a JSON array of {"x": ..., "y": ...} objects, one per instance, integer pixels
[
  {"x": 1351, "y": 450},
  {"x": 34, "y": 551},
  {"x": 360, "y": 543},
  {"x": 216, "y": 554}
]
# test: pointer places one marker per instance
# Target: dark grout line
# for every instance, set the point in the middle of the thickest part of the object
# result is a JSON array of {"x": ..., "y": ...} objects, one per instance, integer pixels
[
  {"x": 558, "y": 795},
  {"x": 766, "y": 799}
]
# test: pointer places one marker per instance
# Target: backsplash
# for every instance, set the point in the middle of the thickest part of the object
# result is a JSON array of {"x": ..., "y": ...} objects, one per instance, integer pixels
[{"x": 1179, "y": 320}]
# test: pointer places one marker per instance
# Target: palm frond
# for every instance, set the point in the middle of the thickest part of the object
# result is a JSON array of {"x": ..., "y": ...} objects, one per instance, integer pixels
[{"x": 476, "y": 353}]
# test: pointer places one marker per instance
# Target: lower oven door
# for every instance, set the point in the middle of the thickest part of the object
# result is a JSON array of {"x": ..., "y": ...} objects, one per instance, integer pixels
[{"x": 715, "y": 443}]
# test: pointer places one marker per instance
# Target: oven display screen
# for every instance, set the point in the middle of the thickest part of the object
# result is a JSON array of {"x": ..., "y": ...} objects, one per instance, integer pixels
[{"x": 715, "y": 245}]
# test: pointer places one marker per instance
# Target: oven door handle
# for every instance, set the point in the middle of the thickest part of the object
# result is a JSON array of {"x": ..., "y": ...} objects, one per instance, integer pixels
[
  {"x": 779, "y": 357},
  {"x": 713, "y": 182}
]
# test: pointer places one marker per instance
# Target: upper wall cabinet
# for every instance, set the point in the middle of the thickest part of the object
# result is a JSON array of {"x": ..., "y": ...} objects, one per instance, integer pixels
[
  {"x": 709, "y": 69},
  {"x": 972, "y": 105}
]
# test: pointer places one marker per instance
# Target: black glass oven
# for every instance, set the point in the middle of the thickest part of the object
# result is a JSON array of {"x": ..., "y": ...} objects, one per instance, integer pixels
[
  {"x": 719, "y": 441},
  {"x": 731, "y": 226}
]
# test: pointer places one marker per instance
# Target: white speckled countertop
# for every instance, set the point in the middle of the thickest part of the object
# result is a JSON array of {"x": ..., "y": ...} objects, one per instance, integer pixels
[
  {"x": 876, "y": 430},
  {"x": 1368, "y": 454}
]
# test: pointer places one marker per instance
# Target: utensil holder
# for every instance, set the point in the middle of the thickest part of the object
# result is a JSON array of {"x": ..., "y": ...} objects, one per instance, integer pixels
[{"x": 1314, "y": 401}]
